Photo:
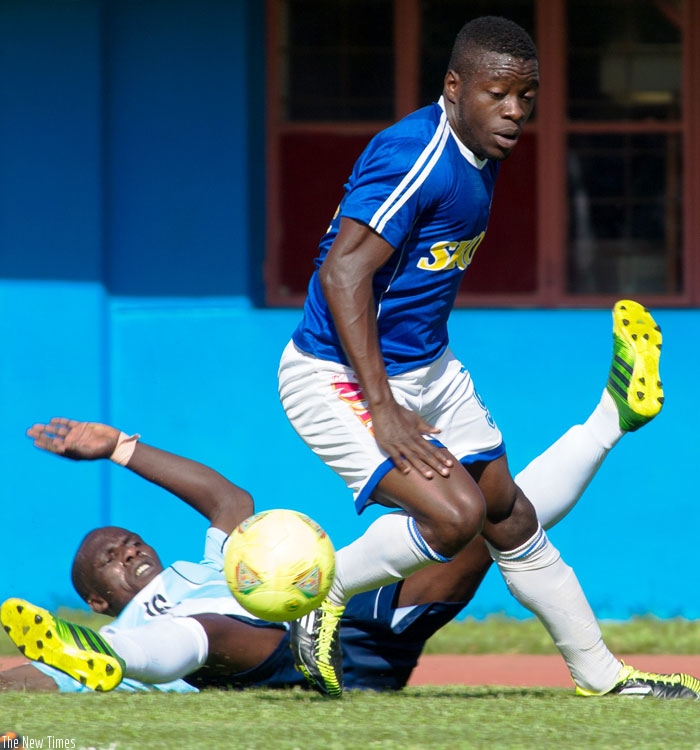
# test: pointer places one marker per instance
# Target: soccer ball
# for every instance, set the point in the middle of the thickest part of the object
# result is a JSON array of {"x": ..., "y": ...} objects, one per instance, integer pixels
[{"x": 279, "y": 564}]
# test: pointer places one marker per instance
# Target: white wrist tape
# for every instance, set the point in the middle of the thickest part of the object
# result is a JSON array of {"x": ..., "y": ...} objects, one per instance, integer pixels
[{"x": 126, "y": 445}]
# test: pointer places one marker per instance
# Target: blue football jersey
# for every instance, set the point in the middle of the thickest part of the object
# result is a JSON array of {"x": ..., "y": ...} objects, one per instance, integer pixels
[{"x": 429, "y": 197}]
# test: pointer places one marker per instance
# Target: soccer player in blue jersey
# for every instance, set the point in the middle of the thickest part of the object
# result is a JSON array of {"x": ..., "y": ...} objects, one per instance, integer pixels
[
  {"x": 370, "y": 383},
  {"x": 179, "y": 629}
]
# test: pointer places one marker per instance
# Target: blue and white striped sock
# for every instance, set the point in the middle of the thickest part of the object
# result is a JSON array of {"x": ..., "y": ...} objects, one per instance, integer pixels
[{"x": 391, "y": 549}]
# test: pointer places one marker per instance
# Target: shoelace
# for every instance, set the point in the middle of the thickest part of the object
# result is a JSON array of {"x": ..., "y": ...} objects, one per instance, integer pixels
[
  {"x": 678, "y": 678},
  {"x": 326, "y": 636}
]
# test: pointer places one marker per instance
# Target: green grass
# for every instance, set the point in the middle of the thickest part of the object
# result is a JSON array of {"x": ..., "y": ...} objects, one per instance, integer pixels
[
  {"x": 423, "y": 717},
  {"x": 416, "y": 718}
]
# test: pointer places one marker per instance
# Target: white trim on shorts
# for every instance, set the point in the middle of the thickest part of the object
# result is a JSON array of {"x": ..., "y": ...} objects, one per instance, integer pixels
[{"x": 326, "y": 407}]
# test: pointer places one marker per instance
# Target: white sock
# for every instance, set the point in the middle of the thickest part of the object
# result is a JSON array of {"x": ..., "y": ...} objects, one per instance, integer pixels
[
  {"x": 605, "y": 421},
  {"x": 556, "y": 479},
  {"x": 543, "y": 583},
  {"x": 162, "y": 650},
  {"x": 391, "y": 549}
]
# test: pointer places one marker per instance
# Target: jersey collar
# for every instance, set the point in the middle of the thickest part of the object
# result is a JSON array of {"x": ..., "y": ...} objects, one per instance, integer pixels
[{"x": 470, "y": 156}]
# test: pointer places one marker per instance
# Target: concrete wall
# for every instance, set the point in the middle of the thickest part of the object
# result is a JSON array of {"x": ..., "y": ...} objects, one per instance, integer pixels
[
  {"x": 199, "y": 378},
  {"x": 131, "y": 236}
]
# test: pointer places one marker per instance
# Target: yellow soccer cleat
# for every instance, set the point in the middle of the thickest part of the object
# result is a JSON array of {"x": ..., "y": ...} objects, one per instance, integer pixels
[
  {"x": 631, "y": 682},
  {"x": 315, "y": 644},
  {"x": 76, "y": 650},
  {"x": 634, "y": 382}
]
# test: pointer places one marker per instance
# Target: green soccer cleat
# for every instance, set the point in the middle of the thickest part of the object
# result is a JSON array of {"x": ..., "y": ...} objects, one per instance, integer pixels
[
  {"x": 634, "y": 381},
  {"x": 76, "y": 650},
  {"x": 633, "y": 683},
  {"x": 315, "y": 644}
]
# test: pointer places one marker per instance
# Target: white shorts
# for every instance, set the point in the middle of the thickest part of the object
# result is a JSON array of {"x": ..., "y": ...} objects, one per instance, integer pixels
[{"x": 326, "y": 407}]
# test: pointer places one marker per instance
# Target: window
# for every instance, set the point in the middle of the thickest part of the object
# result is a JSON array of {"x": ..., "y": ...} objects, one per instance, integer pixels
[
  {"x": 594, "y": 202},
  {"x": 624, "y": 148},
  {"x": 337, "y": 66}
]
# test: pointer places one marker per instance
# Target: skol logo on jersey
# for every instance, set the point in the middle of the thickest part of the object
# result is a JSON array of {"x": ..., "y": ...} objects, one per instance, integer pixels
[
  {"x": 352, "y": 394},
  {"x": 449, "y": 255}
]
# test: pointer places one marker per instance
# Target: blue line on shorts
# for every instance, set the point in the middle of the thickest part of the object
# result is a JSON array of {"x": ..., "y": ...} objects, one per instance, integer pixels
[
  {"x": 491, "y": 455},
  {"x": 363, "y": 498}
]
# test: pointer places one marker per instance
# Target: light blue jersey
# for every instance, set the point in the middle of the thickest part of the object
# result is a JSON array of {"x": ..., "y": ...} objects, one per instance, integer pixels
[
  {"x": 381, "y": 644},
  {"x": 184, "y": 589},
  {"x": 429, "y": 197}
]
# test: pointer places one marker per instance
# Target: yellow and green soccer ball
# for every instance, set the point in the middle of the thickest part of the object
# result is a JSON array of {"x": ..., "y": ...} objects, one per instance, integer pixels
[{"x": 279, "y": 564}]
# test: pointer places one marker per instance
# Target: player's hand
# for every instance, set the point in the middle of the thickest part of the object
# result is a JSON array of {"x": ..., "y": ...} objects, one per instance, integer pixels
[
  {"x": 400, "y": 432},
  {"x": 79, "y": 441}
]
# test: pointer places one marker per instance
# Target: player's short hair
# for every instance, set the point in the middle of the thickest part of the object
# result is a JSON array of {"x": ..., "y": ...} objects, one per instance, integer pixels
[
  {"x": 490, "y": 34},
  {"x": 77, "y": 572}
]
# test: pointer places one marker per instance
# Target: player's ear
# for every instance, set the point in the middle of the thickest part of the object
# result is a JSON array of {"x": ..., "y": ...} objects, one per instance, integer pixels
[
  {"x": 97, "y": 603},
  {"x": 451, "y": 84}
]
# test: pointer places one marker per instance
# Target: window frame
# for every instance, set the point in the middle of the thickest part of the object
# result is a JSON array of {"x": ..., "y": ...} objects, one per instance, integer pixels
[{"x": 550, "y": 127}]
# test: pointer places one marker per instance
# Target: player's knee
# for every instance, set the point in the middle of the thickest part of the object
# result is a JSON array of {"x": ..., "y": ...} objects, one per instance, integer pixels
[
  {"x": 457, "y": 523},
  {"x": 510, "y": 530},
  {"x": 508, "y": 503}
]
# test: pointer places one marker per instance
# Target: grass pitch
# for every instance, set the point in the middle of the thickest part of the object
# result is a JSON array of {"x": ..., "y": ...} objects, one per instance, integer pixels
[
  {"x": 415, "y": 718},
  {"x": 450, "y": 717}
]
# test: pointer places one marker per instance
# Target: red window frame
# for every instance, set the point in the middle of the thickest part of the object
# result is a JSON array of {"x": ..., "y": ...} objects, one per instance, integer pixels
[{"x": 550, "y": 127}]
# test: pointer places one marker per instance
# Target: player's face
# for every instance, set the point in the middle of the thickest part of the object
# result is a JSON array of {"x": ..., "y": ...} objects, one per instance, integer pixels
[
  {"x": 488, "y": 107},
  {"x": 119, "y": 564}
]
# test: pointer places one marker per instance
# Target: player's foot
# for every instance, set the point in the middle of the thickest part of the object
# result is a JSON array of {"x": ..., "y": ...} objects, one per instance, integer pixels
[
  {"x": 315, "y": 643},
  {"x": 76, "y": 650},
  {"x": 634, "y": 381},
  {"x": 632, "y": 682}
]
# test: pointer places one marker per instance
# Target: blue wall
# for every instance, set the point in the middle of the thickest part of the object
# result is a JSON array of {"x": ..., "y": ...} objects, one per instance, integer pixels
[
  {"x": 199, "y": 377},
  {"x": 131, "y": 236},
  {"x": 131, "y": 144}
]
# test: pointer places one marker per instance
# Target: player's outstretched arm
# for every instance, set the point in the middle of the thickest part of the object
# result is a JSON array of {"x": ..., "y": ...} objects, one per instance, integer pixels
[
  {"x": 224, "y": 503},
  {"x": 208, "y": 492}
]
